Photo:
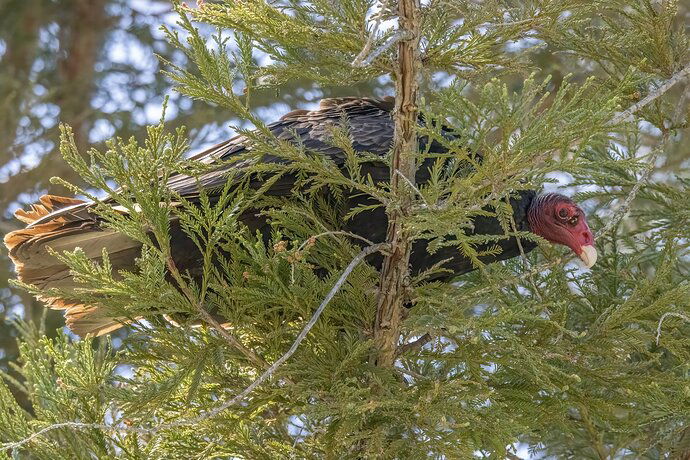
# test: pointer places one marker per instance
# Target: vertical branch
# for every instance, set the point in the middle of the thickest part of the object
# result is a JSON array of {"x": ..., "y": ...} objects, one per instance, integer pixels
[
  {"x": 594, "y": 436},
  {"x": 396, "y": 264},
  {"x": 234, "y": 342}
]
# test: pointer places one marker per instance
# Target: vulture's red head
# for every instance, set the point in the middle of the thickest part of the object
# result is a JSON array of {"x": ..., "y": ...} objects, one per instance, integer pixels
[{"x": 559, "y": 220}]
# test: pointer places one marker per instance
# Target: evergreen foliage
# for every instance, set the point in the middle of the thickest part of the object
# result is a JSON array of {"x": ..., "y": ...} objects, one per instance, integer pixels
[{"x": 572, "y": 363}]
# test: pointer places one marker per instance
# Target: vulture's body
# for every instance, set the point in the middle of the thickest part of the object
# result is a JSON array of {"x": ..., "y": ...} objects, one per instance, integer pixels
[{"x": 65, "y": 223}]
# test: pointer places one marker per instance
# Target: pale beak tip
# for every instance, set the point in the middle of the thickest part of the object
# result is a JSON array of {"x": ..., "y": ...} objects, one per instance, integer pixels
[{"x": 588, "y": 256}]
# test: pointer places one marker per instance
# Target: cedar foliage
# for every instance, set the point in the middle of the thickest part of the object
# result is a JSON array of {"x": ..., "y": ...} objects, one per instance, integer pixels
[{"x": 532, "y": 351}]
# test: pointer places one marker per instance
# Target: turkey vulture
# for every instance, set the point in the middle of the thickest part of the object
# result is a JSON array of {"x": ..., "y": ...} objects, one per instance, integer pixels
[{"x": 65, "y": 223}]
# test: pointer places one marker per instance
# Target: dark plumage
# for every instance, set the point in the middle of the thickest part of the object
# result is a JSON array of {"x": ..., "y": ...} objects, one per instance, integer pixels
[{"x": 65, "y": 223}]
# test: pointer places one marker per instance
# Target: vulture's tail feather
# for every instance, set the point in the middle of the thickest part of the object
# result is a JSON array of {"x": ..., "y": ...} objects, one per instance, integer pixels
[{"x": 64, "y": 224}]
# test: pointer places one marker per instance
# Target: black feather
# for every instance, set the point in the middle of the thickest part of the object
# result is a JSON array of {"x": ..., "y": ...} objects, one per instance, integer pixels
[
  {"x": 66, "y": 222},
  {"x": 370, "y": 126}
]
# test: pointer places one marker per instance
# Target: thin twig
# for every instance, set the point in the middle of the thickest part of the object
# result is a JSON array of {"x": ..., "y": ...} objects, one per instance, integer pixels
[
  {"x": 234, "y": 342},
  {"x": 414, "y": 374},
  {"x": 418, "y": 343},
  {"x": 414, "y": 187},
  {"x": 594, "y": 435},
  {"x": 510, "y": 23},
  {"x": 663, "y": 317},
  {"x": 625, "y": 206},
  {"x": 651, "y": 97},
  {"x": 358, "y": 60},
  {"x": 57, "y": 426},
  {"x": 392, "y": 40},
  {"x": 307, "y": 327},
  {"x": 313, "y": 239},
  {"x": 681, "y": 108},
  {"x": 217, "y": 410},
  {"x": 651, "y": 161}
]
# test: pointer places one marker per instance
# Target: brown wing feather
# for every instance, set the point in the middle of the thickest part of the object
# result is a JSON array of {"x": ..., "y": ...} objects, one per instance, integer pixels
[
  {"x": 48, "y": 204},
  {"x": 84, "y": 319},
  {"x": 64, "y": 223}
]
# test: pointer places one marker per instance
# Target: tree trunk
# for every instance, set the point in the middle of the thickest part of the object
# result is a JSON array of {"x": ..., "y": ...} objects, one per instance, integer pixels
[
  {"x": 21, "y": 49},
  {"x": 395, "y": 271},
  {"x": 83, "y": 27}
]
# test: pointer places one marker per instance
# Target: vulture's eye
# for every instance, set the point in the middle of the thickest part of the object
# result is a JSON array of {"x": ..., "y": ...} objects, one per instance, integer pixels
[
  {"x": 573, "y": 221},
  {"x": 563, "y": 213}
]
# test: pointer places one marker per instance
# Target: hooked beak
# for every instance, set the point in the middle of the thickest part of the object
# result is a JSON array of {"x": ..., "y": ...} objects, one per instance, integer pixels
[{"x": 588, "y": 255}]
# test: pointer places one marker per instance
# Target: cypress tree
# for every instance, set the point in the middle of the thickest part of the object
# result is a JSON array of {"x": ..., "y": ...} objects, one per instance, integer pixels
[{"x": 322, "y": 358}]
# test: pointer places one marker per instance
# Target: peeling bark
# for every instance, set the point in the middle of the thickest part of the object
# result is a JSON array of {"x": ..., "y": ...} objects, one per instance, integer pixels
[{"x": 395, "y": 270}]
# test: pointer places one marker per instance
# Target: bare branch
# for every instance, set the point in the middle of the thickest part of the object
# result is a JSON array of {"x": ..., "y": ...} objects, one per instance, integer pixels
[
  {"x": 57, "y": 426},
  {"x": 333, "y": 232},
  {"x": 219, "y": 409},
  {"x": 312, "y": 240},
  {"x": 414, "y": 187},
  {"x": 409, "y": 372},
  {"x": 625, "y": 206},
  {"x": 626, "y": 115},
  {"x": 663, "y": 317},
  {"x": 233, "y": 341},
  {"x": 300, "y": 337},
  {"x": 418, "y": 343},
  {"x": 392, "y": 40},
  {"x": 358, "y": 60}
]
